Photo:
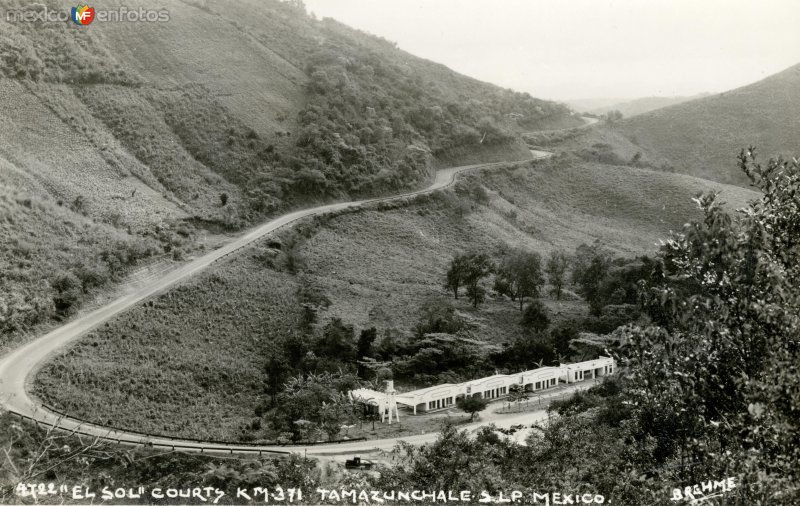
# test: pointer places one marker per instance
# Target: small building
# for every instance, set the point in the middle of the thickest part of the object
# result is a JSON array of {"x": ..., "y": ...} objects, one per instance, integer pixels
[
  {"x": 383, "y": 402},
  {"x": 590, "y": 369}
]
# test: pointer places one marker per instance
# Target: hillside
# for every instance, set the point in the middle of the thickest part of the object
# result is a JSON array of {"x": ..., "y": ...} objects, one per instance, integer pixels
[
  {"x": 642, "y": 105},
  {"x": 157, "y": 133},
  {"x": 703, "y": 137},
  {"x": 379, "y": 267}
]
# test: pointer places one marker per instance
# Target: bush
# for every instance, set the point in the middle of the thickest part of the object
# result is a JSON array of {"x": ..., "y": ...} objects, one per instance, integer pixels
[
  {"x": 438, "y": 316},
  {"x": 535, "y": 316},
  {"x": 611, "y": 317},
  {"x": 472, "y": 405},
  {"x": 68, "y": 292}
]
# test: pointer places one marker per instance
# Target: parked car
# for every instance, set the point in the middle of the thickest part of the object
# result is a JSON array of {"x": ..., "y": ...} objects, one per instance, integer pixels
[{"x": 357, "y": 463}]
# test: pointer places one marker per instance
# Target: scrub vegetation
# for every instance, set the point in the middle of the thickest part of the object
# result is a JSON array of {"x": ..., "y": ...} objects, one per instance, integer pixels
[
  {"x": 363, "y": 291},
  {"x": 123, "y": 147}
]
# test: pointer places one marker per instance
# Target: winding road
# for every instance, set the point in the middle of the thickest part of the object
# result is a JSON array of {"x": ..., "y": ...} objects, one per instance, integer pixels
[{"x": 18, "y": 367}]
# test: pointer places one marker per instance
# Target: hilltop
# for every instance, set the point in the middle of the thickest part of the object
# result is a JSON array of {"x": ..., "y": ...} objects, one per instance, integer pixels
[
  {"x": 129, "y": 141},
  {"x": 703, "y": 136},
  {"x": 642, "y": 105}
]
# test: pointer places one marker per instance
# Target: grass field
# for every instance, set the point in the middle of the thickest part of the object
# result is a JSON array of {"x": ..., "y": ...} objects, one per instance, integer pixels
[
  {"x": 188, "y": 362},
  {"x": 192, "y": 363},
  {"x": 53, "y": 257}
]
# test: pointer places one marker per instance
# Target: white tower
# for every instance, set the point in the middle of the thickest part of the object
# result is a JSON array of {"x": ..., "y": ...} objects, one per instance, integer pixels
[{"x": 390, "y": 407}]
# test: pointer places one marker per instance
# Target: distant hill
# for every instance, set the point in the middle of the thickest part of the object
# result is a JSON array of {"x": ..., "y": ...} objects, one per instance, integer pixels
[
  {"x": 702, "y": 137},
  {"x": 584, "y": 105},
  {"x": 121, "y": 141},
  {"x": 642, "y": 105}
]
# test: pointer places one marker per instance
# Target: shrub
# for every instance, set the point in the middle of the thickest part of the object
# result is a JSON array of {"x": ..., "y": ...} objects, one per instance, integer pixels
[
  {"x": 535, "y": 316},
  {"x": 68, "y": 292}
]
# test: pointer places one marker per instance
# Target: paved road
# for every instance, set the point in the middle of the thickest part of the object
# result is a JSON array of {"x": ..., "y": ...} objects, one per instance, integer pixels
[{"x": 19, "y": 366}]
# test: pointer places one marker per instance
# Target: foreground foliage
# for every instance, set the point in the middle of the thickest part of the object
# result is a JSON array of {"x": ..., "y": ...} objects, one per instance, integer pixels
[
  {"x": 708, "y": 390},
  {"x": 716, "y": 383},
  {"x": 33, "y": 455}
]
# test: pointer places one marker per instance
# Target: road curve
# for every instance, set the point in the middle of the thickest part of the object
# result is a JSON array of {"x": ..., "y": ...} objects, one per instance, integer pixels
[{"x": 18, "y": 367}]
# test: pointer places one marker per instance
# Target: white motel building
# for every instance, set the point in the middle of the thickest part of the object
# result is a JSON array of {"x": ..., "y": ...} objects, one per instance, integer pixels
[{"x": 444, "y": 396}]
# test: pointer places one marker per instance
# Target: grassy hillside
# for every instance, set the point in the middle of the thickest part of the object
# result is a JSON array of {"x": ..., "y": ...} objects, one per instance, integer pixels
[
  {"x": 226, "y": 114},
  {"x": 377, "y": 267},
  {"x": 39, "y": 282},
  {"x": 702, "y": 137},
  {"x": 253, "y": 99}
]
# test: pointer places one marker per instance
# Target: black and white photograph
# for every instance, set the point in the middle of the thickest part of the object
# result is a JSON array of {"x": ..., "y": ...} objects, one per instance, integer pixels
[{"x": 400, "y": 252}]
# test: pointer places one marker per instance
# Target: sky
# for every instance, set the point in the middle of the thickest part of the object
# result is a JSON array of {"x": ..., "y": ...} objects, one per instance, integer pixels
[{"x": 577, "y": 49}]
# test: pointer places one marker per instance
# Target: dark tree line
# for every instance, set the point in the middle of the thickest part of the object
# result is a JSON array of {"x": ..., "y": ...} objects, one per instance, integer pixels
[{"x": 517, "y": 274}]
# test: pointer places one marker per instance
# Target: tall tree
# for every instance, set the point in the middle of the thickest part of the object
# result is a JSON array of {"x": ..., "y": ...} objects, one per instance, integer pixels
[
  {"x": 277, "y": 371},
  {"x": 364, "y": 348},
  {"x": 556, "y": 270},
  {"x": 468, "y": 269},
  {"x": 516, "y": 393},
  {"x": 477, "y": 267},
  {"x": 519, "y": 275},
  {"x": 455, "y": 274},
  {"x": 336, "y": 341},
  {"x": 591, "y": 265}
]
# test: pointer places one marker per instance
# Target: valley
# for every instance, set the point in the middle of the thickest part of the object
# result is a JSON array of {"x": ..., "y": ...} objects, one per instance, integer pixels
[
  {"x": 234, "y": 239},
  {"x": 378, "y": 267}
]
